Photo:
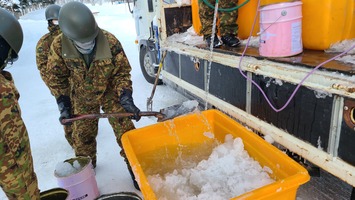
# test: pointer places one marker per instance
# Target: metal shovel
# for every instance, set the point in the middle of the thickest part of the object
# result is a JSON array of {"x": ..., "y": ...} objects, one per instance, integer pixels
[
  {"x": 163, "y": 115},
  {"x": 150, "y": 99}
]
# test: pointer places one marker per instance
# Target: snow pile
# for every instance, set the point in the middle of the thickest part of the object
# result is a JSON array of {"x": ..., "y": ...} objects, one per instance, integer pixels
[
  {"x": 269, "y": 139},
  {"x": 227, "y": 173},
  {"x": 253, "y": 41},
  {"x": 183, "y": 2},
  {"x": 322, "y": 94},
  {"x": 189, "y": 37},
  {"x": 342, "y": 46},
  {"x": 64, "y": 169},
  {"x": 347, "y": 59}
]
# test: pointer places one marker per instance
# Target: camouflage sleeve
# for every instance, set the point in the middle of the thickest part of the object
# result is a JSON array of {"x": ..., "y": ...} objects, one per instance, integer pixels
[
  {"x": 42, "y": 50},
  {"x": 122, "y": 76},
  {"x": 18, "y": 179},
  {"x": 10, "y": 118},
  {"x": 57, "y": 72}
]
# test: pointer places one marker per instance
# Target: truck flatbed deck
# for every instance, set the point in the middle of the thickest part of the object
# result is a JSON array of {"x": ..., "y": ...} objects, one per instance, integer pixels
[{"x": 308, "y": 58}]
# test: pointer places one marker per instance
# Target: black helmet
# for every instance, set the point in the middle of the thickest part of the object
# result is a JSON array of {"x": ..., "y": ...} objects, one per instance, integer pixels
[
  {"x": 52, "y": 12},
  {"x": 77, "y": 22},
  {"x": 10, "y": 30}
]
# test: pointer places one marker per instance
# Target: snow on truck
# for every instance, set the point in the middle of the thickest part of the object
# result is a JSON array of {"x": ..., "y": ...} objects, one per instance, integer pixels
[{"x": 304, "y": 101}]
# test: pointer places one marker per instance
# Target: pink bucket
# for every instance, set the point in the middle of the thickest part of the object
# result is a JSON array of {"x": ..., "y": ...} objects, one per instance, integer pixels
[
  {"x": 78, "y": 177},
  {"x": 281, "y": 29}
]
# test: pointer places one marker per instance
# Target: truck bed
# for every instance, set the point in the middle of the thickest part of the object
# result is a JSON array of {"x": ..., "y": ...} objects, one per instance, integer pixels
[{"x": 308, "y": 58}]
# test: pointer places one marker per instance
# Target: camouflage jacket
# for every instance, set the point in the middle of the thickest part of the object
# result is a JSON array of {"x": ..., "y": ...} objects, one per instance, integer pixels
[
  {"x": 67, "y": 71},
  {"x": 11, "y": 124},
  {"x": 18, "y": 178},
  {"x": 42, "y": 50}
]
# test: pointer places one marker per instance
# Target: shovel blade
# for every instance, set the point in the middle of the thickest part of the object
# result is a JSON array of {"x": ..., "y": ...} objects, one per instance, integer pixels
[
  {"x": 179, "y": 109},
  {"x": 149, "y": 104}
]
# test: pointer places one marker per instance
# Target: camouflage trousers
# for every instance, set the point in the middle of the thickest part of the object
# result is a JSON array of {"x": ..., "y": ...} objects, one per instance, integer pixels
[
  {"x": 68, "y": 129},
  {"x": 18, "y": 179},
  {"x": 68, "y": 133},
  {"x": 227, "y": 20},
  {"x": 85, "y": 131},
  {"x": 17, "y": 176}
]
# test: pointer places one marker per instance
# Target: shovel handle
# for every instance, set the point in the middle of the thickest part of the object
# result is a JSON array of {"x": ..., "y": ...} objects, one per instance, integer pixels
[
  {"x": 159, "y": 115},
  {"x": 150, "y": 99}
]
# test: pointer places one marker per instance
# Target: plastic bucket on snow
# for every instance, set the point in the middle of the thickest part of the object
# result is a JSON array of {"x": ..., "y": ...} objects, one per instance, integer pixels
[
  {"x": 78, "y": 177},
  {"x": 281, "y": 29},
  {"x": 54, "y": 194}
]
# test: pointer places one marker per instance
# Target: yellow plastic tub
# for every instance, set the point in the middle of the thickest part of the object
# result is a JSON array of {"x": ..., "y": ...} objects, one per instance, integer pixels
[{"x": 183, "y": 135}]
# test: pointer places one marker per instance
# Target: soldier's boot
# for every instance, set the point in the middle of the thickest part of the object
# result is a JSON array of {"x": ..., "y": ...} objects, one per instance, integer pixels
[
  {"x": 230, "y": 40},
  {"x": 216, "y": 42}
]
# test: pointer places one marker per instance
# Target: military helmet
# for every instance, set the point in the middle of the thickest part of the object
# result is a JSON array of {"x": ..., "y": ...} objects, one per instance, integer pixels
[
  {"x": 10, "y": 30},
  {"x": 77, "y": 22},
  {"x": 52, "y": 12}
]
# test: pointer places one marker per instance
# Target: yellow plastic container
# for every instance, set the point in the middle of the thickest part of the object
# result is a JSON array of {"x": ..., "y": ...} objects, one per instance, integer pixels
[
  {"x": 327, "y": 22},
  {"x": 246, "y": 15},
  {"x": 196, "y": 22},
  {"x": 185, "y": 134},
  {"x": 323, "y": 23}
]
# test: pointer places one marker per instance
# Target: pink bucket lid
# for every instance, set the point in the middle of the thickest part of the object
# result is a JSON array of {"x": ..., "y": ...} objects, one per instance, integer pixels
[{"x": 280, "y": 5}]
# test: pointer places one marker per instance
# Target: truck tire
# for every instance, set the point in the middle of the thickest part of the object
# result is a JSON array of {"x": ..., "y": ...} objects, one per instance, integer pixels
[{"x": 147, "y": 66}]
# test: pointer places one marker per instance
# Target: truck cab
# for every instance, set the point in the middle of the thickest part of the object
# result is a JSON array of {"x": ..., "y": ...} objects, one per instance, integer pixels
[{"x": 144, "y": 13}]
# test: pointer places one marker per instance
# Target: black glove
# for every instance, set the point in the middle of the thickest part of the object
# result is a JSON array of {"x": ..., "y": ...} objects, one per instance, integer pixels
[
  {"x": 126, "y": 101},
  {"x": 64, "y": 106}
]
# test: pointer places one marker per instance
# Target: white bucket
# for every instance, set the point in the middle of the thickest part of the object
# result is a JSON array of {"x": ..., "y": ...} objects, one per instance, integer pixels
[
  {"x": 281, "y": 29},
  {"x": 78, "y": 177}
]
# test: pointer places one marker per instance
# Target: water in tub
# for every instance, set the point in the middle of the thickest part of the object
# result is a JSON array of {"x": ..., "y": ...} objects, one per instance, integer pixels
[{"x": 209, "y": 178}]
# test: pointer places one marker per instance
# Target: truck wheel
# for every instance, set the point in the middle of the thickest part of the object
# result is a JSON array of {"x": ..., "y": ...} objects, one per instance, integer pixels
[{"x": 147, "y": 66}]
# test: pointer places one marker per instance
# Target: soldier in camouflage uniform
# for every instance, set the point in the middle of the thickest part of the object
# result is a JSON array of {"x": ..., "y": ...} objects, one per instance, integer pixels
[
  {"x": 17, "y": 176},
  {"x": 88, "y": 68},
  {"x": 228, "y": 26},
  {"x": 42, "y": 50}
]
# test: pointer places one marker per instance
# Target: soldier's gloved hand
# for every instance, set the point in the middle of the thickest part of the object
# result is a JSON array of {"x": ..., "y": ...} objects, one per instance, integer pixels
[
  {"x": 64, "y": 106},
  {"x": 126, "y": 100}
]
